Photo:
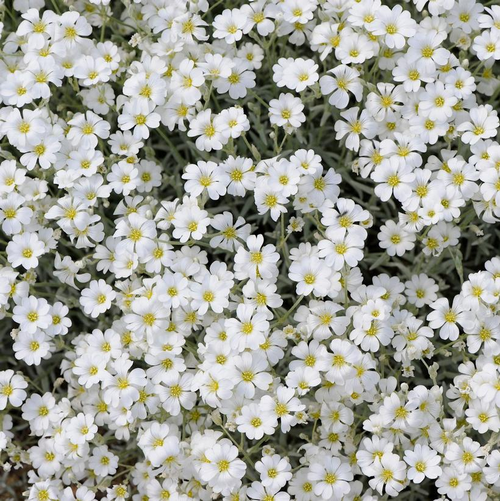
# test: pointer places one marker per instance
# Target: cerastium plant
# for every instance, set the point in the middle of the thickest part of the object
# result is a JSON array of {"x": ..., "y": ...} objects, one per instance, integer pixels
[{"x": 248, "y": 250}]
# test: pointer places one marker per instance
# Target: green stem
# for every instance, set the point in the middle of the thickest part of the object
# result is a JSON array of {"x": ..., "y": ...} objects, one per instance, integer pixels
[{"x": 173, "y": 149}]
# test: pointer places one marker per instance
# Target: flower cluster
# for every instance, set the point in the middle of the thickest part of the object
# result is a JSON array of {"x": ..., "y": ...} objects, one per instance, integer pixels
[{"x": 247, "y": 250}]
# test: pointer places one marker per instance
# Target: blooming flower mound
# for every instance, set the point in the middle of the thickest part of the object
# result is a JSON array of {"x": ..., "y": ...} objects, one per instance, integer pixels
[{"x": 248, "y": 250}]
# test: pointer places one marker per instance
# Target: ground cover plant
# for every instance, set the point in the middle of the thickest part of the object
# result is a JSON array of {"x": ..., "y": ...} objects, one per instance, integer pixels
[{"x": 249, "y": 250}]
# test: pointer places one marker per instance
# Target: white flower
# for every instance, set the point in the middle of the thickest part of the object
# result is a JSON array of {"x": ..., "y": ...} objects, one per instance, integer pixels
[
  {"x": 12, "y": 388},
  {"x": 274, "y": 470},
  {"x": 190, "y": 222},
  {"x": 209, "y": 131},
  {"x": 445, "y": 317},
  {"x": 229, "y": 25},
  {"x": 312, "y": 276},
  {"x": 354, "y": 127},
  {"x": 331, "y": 478},
  {"x": 423, "y": 462},
  {"x": 282, "y": 407},
  {"x": 453, "y": 483},
  {"x": 297, "y": 74},
  {"x": 465, "y": 457},
  {"x": 82, "y": 428},
  {"x": 249, "y": 329},
  {"x": 85, "y": 129},
  {"x": 483, "y": 124},
  {"x": 103, "y": 462},
  {"x": 483, "y": 417},
  {"x": 395, "y": 25},
  {"x": 97, "y": 298},
  {"x": 421, "y": 290},
  {"x": 152, "y": 442},
  {"x": 286, "y": 111},
  {"x": 249, "y": 373},
  {"x": 257, "y": 261},
  {"x": 345, "y": 80},
  {"x": 32, "y": 314},
  {"x": 41, "y": 412},
  {"x": 139, "y": 116},
  {"x": 90, "y": 368},
  {"x": 205, "y": 176},
  {"x": 340, "y": 250},
  {"x": 123, "y": 386},
  {"x": 24, "y": 250},
  {"x": 487, "y": 45},
  {"x": 253, "y": 424},
  {"x": 395, "y": 239},
  {"x": 224, "y": 469},
  {"x": 389, "y": 474}
]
